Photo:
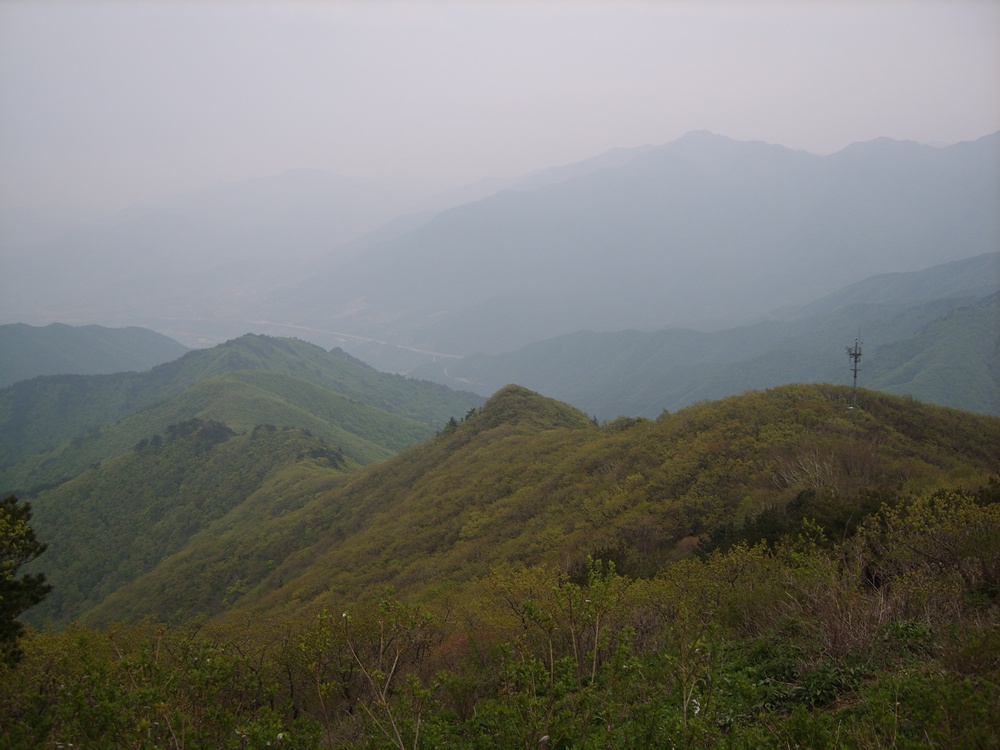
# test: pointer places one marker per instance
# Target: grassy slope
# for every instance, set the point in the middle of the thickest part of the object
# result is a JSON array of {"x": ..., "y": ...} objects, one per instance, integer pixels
[
  {"x": 529, "y": 479},
  {"x": 242, "y": 400}
]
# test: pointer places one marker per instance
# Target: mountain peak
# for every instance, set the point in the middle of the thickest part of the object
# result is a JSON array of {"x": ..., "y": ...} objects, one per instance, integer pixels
[
  {"x": 518, "y": 406},
  {"x": 702, "y": 136}
]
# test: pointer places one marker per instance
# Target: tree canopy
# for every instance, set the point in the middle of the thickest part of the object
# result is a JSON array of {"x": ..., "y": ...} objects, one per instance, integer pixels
[{"x": 18, "y": 545}]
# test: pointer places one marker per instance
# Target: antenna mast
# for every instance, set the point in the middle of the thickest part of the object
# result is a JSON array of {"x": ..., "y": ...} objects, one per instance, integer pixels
[{"x": 854, "y": 352}]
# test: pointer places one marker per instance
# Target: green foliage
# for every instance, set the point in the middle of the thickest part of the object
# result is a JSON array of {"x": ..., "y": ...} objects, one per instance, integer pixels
[
  {"x": 291, "y": 382},
  {"x": 733, "y": 649},
  {"x": 147, "y": 687},
  {"x": 945, "y": 546},
  {"x": 874, "y": 577},
  {"x": 18, "y": 546},
  {"x": 953, "y": 361},
  {"x": 149, "y": 504},
  {"x": 526, "y": 480}
]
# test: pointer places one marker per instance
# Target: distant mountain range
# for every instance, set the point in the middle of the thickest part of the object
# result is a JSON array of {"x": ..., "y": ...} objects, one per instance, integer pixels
[
  {"x": 931, "y": 334},
  {"x": 58, "y": 349},
  {"x": 704, "y": 232}
]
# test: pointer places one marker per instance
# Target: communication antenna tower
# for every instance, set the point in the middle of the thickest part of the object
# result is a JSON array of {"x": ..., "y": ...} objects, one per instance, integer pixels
[{"x": 854, "y": 352}]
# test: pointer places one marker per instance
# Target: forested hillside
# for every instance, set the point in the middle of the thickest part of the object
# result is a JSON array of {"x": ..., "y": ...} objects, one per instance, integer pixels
[
  {"x": 126, "y": 469},
  {"x": 770, "y": 570},
  {"x": 529, "y": 479},
  {"x": 112, "y": 524},
  {"x": 51, "y": 428},
  {"x": 954, "y": 360}
]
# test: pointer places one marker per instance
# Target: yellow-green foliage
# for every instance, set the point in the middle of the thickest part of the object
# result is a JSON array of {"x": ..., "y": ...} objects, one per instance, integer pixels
[
  {"x": 112, "y": 524},
  {"x": 526, "y": 480},
  {"x": 806, "y": 644}
]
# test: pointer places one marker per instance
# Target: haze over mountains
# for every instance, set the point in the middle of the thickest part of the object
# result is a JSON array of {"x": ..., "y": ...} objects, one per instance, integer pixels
[
  {"x": 296, "y": 452},
  {"x": 57, "y": 348},
  {"x": 704, "y": 232},
  {"x": 932, "y": 334}
]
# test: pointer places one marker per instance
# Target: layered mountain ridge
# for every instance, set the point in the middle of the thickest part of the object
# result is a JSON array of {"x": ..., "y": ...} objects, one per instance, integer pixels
[
  {"x": 703, "y": 232},
  {"x": 932, "y": 334}
]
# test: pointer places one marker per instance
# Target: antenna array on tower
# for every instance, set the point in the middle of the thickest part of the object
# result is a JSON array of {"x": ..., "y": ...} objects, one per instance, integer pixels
[{"x": 854, "y": 352}]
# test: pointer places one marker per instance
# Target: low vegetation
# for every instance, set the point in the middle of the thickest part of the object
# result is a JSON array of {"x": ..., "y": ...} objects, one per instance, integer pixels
[{"x": 887, "y": 638}]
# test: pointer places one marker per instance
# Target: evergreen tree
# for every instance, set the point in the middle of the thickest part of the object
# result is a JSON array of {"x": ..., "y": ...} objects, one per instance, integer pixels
[{"x": 18, "y": 546}]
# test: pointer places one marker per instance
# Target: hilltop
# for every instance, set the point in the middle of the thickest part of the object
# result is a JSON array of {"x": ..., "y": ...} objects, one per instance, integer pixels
[{"x": 53, "y": 427}]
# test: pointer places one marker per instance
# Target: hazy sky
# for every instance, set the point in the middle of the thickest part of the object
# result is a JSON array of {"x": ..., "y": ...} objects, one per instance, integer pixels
[{"x": 108, "y": 103}]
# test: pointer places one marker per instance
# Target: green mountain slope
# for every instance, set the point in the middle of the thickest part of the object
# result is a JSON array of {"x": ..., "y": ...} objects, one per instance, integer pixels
[
  {"x": 527, "y": 479},
  {"x": 954, "y": 360},
  {"x": 850, "y": 600},
  {"x": 241, "y": 400},
  {"x": 39, "y": 415},
  {"x": 970, "y": 278},
  {"x": 115, "y": 522},
  {"x": 28, "y": 351}
]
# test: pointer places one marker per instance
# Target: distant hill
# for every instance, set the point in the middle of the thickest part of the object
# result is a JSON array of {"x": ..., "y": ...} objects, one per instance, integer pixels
[
  {"x": 524, "y": 479},
  {"x": 969, "y": 278},
  {"x": 53, "y": 427},
  {"x": 954, "y": 360},
  {"x": 59, "y": 349},
  {"x": 703, "y": 232},
  {"x": 932, "y": 334}
]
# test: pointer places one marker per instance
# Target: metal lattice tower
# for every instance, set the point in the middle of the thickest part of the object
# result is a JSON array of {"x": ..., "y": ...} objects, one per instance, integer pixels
[{"x": 854, "y": 352}]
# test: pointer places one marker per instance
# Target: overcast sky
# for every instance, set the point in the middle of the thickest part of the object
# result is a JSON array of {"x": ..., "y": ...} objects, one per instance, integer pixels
[{"x": 104, "y": 104}]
